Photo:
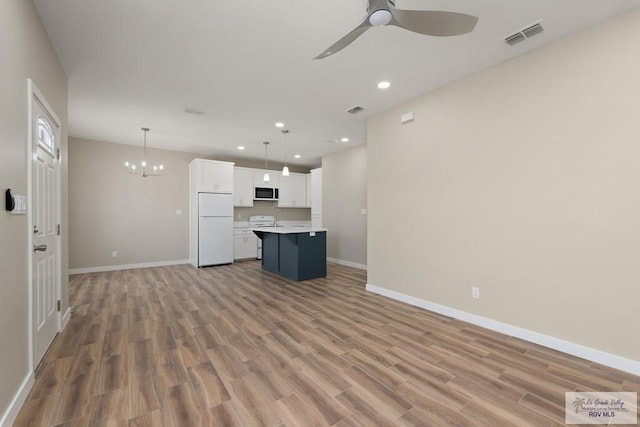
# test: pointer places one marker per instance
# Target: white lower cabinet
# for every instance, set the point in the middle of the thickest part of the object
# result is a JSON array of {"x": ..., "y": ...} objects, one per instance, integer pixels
[{"x": 245, "y": 244}]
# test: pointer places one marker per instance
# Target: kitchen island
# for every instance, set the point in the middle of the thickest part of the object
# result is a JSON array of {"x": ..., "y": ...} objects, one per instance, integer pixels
[{"x": 298, "y": 253}]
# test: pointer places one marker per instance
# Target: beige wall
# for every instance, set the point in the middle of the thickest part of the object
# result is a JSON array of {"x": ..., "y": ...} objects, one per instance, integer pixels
[
  {"x": 522, "y": 180},
  {"x": 344, "y": 195},
  {"x": 25, "y": 52},
  {"x": 112, "y": 211}
]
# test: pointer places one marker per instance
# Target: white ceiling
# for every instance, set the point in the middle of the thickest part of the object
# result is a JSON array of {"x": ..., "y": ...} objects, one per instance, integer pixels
[{"x": 248, "y": 64}]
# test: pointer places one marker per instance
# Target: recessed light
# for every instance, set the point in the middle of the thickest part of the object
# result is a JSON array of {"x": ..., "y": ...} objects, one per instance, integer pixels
[
  {"x": 240, "y": 147},
  {"x": 384, "y": 85},
  {"x": 345, "y": 139},
  {"x": 297, "y": 156},
  {"x": 279, "y": 124}
]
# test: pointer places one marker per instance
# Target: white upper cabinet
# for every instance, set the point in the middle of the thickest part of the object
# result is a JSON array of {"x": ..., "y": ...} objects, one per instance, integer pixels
[
  {"x": 211, "y": 176},
  {"x": 308, "y": 179},
  {"x": 316, "y": 191},
  {"x": 293, "y": 191},
  {"x": 243, "y": 187},
  {"x": 299, "y": 198}
]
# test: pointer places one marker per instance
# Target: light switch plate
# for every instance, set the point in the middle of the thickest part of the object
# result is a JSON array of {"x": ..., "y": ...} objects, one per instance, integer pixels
[{"x": 21, "y": 205}]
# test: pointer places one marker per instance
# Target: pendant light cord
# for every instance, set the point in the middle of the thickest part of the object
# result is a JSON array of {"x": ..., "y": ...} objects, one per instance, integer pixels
[
  {"x": 266, "y": 155},
  {"x": 144, "y": 145},
  {"x": 285, "y": 132}
]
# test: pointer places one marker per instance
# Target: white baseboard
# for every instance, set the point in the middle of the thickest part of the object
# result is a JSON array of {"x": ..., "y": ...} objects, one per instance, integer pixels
[
  {"x": 65, "y": 319},
  {"x": 127, "y": 266},
  {"x": 347, "y": 263},
  {"x": 617, "y": 362},
  {"x": 18, "y": 400}
]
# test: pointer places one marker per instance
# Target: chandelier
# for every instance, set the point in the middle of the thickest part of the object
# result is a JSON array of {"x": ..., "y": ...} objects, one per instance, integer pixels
[{"x": 144, "y": 170}]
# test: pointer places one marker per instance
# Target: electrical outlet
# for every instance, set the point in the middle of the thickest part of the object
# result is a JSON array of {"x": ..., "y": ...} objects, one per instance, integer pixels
[
  {"x": 475, "y": 293},
  {"x": 114, "y": 254}
]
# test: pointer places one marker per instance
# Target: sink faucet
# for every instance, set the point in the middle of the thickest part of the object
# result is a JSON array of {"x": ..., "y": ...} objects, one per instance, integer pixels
[{"x": 275, "y": 218}]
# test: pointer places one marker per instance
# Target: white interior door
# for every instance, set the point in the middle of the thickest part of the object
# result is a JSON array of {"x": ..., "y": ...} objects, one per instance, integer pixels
[{"x": 44, "y": 210}]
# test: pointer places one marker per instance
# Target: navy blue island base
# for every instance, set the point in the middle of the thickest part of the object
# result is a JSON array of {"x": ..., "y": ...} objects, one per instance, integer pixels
[{"x": 297, "y": 255}]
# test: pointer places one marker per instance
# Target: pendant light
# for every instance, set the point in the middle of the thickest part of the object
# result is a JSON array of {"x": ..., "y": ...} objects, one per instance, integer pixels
[
  {"x": 266, "y": 162},
  {"x": 285, "y": 169},
  {"x": 145, "y": 172}
]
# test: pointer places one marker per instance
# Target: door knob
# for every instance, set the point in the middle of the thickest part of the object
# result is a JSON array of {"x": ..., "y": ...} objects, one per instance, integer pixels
[{"x": 41, "y": 248}]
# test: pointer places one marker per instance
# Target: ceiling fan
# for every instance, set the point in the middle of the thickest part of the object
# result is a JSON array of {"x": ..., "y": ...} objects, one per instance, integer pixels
[{"x": 429, "y": 22}]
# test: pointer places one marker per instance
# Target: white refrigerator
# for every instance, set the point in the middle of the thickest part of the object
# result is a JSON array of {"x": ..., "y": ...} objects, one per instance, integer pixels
[{"x": 215, "y": 229}]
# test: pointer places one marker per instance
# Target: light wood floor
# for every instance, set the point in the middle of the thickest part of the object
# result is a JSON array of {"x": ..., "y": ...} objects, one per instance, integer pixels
[{"x": 234, "y": 346}]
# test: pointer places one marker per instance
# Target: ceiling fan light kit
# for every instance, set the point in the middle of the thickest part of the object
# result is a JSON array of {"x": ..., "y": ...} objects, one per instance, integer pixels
[
  {"x": 427, "y": 22},
  {"x": 380, "y": 17}
]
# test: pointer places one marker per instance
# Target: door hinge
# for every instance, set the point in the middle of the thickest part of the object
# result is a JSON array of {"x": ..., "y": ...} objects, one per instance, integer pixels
[
  {"x": 57, "y": 154},
  {"x": 58, "y": 229},
  {"x": 58, "y": 305}
]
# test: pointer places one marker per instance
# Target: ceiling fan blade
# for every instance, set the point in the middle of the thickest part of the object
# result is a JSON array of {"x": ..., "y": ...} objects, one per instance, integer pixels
[
  {"x": 433, "y": 23},
  {"x": 346, "y": 40}
]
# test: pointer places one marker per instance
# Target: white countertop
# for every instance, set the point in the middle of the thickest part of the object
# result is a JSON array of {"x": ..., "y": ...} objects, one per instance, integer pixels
[
  {"x": 283, "y": 223},
  {"x": 289, "y": 230}
]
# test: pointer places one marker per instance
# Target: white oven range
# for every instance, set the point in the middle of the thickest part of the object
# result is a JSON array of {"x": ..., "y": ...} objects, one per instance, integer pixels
[{"x": 259, "y": 221}]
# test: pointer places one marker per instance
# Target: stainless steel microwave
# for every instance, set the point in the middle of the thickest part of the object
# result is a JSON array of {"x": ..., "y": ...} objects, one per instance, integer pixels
[{"x": 265, "y": 193}]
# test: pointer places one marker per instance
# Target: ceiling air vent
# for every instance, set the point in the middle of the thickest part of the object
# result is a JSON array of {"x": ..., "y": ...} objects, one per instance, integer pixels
[
  {"x": 355, "y": 110},
  {"x": 532, "y": 30},
  {"x": 193, "y": 111},
  {"x": 524, "y": 33},
  {"x": 514, "y": 38}
]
